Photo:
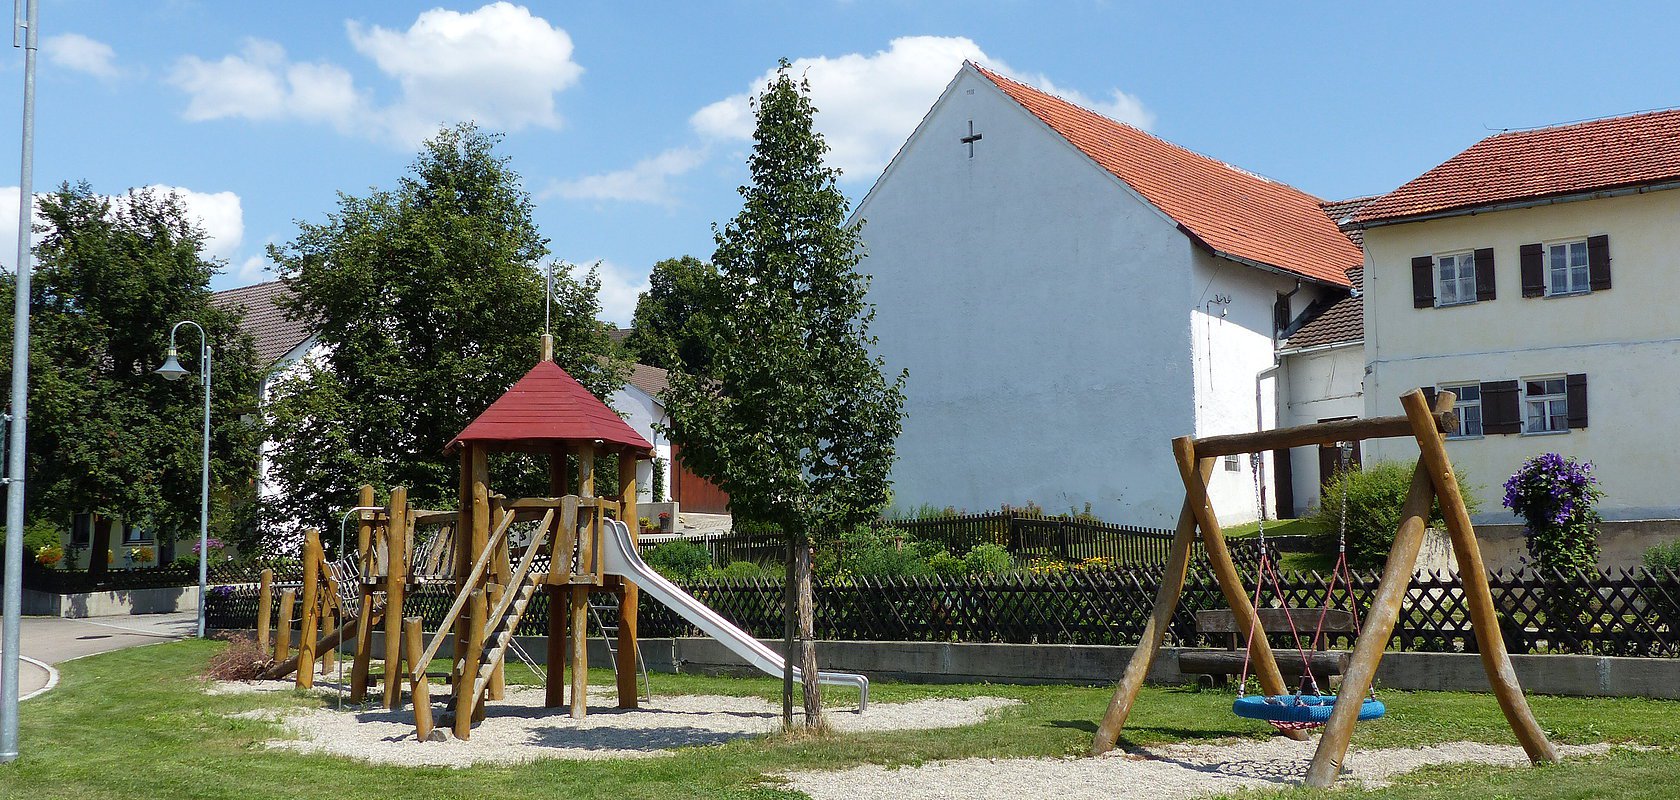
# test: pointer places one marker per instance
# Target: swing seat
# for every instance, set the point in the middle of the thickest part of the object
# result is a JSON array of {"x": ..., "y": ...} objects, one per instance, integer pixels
[{"x": 1299, "y": 709}]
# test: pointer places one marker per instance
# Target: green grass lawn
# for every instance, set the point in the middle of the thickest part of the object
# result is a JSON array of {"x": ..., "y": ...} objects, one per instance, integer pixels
[
  {"x": 1276, "y": 527},
  {"x": 134, "y": 724}
]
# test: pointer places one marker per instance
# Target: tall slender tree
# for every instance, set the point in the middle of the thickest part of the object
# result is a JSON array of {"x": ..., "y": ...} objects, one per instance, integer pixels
[
  {"x": 794, "y": 418},
  {"x": 106, "y": 435},
  {"x": 427, "y": 300}
]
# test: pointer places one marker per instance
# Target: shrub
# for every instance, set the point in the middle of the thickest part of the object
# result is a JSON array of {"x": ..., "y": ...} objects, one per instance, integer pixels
[
  {"x": 241, "y": 660},
  {"x": 1555, "y": 497},
  {"x": 988, "y": 559},
  {"x": 946, "y": 565},
  {"x": 679, "y": 559},
  {"x": 740, "y": 571},
  {"x": 40, "y": 535},
  {"x": 1663, "y": 556},
  {"x": 1376, "y": 492}
]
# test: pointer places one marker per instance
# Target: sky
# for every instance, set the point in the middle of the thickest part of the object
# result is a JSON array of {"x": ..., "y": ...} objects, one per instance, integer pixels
[{"x": 630, "y": 123}]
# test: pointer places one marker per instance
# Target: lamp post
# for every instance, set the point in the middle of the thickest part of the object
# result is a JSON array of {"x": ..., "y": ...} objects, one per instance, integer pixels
[{"x": 173, "y": 370}]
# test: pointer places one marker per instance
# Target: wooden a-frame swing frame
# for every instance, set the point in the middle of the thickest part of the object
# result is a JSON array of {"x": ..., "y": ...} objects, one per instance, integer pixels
[{"x": 1433, "y": 478}]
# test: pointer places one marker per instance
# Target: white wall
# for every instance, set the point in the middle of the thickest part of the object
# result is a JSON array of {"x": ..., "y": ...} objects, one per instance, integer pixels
[
  {"x": 640, "y": 411},
  {"x": 1321, "y": 383},
  {"x": 1040, "y": 308},
  {"x": 1626, "y": 339}
]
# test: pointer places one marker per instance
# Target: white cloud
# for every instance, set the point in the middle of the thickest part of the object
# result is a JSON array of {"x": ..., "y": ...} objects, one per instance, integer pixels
[
  {"x": 259, "y": 83},
  {"x": 9, "y": 226},
  {"x": 869, "y": 104},
  {"x": 648, "y": 181},
  {"x": 219, "y": 214},
  {"x": 252, "y": 270},
  {"x": 620, "y": 287},
  {"x": 79, "y": 53},
  {"x": 499, "y": 65}
]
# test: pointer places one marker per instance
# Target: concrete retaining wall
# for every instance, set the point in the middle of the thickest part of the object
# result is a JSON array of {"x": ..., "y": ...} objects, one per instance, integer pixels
[
  {"x": 1101, "y": 665},
  {"x": 112, "y": 603},
  {"x": 1621, "y": 544}
]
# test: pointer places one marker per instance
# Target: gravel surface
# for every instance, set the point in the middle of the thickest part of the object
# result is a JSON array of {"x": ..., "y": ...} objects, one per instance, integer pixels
[
  {"x": 518, "y": 729},
  {"x": 1173, "y": 771}
]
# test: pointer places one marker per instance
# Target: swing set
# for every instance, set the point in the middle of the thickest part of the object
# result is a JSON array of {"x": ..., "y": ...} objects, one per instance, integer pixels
[{"x": 1293, "y": 714}]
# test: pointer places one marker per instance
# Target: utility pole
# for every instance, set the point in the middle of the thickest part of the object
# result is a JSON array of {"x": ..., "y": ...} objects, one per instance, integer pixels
[{"x": 25, "y": 14}]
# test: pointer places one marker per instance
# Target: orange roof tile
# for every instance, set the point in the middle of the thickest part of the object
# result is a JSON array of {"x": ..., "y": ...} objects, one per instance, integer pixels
[
  {"x": 547, "y": 406},
  {"x": 272, "y": 331},
  {"x": 1544, "y": 162},
  {"x": 1231, "y": 211}
]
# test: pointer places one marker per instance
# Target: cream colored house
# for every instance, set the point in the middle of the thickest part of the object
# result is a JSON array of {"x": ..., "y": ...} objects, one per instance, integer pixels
[{"x": 1533, "y": 275}]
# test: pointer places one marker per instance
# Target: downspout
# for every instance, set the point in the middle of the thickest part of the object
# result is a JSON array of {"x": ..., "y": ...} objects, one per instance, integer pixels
[{"x": 1259, "y": 400}]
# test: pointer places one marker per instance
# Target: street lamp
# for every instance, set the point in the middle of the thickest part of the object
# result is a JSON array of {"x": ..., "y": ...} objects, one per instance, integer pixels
[{"x": 173, "y": 370}]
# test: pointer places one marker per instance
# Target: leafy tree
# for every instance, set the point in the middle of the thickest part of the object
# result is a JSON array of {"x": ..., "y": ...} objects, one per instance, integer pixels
[
  {"x": 427, "y": 300},
  {"x": 794, "y": 418},
  {"x": 106, "y": 434},
  {"x": 665, "y": 332}
]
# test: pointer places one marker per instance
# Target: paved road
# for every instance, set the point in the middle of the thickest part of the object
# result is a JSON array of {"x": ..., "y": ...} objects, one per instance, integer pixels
[{"x": 53, "y": 639}]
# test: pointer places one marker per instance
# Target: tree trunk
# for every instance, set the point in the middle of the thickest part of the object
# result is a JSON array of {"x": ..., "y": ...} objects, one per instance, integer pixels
[
  {"x": 807, "y": 644},
  {"x": 99, "y": 547},
  {"x": 789, "y": 607}
]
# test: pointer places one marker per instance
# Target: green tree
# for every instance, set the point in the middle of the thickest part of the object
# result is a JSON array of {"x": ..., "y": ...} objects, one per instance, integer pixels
[
  {"x": 427, "y": 300},
  {"x": 665, "y": 331},
  {"x": 106, "y": 434},
  {"x": 794, "y": 418}
]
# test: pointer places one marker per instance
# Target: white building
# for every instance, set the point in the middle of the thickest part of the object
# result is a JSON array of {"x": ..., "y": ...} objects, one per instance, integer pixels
[
  {"x": 1068, "y": 293},
  {"x": 1532, "y": 274}
]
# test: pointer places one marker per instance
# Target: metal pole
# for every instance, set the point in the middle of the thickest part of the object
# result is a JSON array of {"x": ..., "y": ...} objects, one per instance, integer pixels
[
  {"x": 204, "y": 496},
  {"x": 13, "y": 601}
]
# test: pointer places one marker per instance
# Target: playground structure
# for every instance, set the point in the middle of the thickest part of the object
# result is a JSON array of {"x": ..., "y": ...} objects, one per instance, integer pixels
[
  {"x": 1433, "y": 479},
  {"x": 497, "y": 553}
]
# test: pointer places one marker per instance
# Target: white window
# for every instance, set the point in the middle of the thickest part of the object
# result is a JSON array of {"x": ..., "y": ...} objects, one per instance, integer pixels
[
  {"x": 1455, "y": 279},
  {"x": 1545, "y": 405},
  {"x": 1233, "y": 463},
  {"x": 1469, "y": 409},
  {"x": 1566, "y": 267}
]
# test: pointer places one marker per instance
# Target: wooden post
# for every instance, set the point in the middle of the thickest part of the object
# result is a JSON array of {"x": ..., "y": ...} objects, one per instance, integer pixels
[
  {"x": 559, "y": 599},
  {"x": 1373, "y": 638},
  {"x": 627, "y": 667},
  {"x": 578, "y": 655},
  {"x": 1154, "y": 631},
  {"x": 364, "y": 609},
  {"x": 502, "y": 568},
  {"x": 496, "y": 689},
  {"x": 311, "y": 608},
  {"x": 420, "y": 688},
  {"x": 466, "y": 701},
  {"x": 1230, "y": 582},
  {"x": 283, "y": 636},
  {"x": 396, "y": 586},
  {"x": 1484, "y": 616},
  {"x": 330, "y": 622},
  {"x": 265, "y": 608}
]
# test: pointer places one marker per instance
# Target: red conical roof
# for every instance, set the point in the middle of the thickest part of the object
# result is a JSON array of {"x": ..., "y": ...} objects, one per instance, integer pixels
[{"x": 548, "y": 406}]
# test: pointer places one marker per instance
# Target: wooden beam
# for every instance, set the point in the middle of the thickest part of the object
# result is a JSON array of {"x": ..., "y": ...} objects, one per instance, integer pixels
[
  {"x": 396, "y": 586},
  {"x": 559, "y": 611},
  {"x": 465, "y": 700},
  {"x": 1484, "y": 616},
  {"x": 284, "y": 667},
  {"x": 265, "y": 608},
  {"x": 311, "y": 608},
  {"x": 1191, "y": 468},
  {"x": 420, "y": 687},
  {"x": 283, "y": 636},
  {"x": 361, "y": 664},
  {"x": 578, "y": 650},
  {"x": 502, "y": 574},
  {"x": 627, "y": 668},
  {"x": 1346, "y": 430},
  {"x": 1154, "y": 631}
]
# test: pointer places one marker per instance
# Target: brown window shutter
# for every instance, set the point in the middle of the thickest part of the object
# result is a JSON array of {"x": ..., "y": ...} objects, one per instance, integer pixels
[
  {"x": 1500, "y": 408},
  {"x": 1423, "y": 282},
  {"x": 1598, "y": 262},
  {"x": 1484, "y": 275},
  {"x": 1576, "y": 385},
  {"x": 1533, "y": 263}
]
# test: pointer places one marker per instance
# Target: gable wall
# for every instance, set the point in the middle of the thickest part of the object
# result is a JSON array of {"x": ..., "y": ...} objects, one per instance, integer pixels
[{"x": 1039, "y": 307}]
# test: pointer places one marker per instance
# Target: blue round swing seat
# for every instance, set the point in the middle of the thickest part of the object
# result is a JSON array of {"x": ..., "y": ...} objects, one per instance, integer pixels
[{"x": 1299, "y": 709}]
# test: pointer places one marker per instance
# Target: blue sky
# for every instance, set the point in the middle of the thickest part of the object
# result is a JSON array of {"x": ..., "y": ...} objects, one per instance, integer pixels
[{"x": 630, "y": 130}]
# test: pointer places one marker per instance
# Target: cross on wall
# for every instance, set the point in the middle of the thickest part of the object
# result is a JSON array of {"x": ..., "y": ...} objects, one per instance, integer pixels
[{"x": 971, "y": 138}]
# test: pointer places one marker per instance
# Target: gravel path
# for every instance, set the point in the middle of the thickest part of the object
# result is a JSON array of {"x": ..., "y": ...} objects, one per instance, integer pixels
[
  {"x": 1174, "y": 771},
  {"x": 518, "y": 729}
]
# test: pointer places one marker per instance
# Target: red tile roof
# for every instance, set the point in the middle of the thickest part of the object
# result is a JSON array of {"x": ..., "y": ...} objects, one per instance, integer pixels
[
  {"x": 1545, "y": 162},
  {"x": 650, "y": 379},
  {"x": 273, "y": 333},
  {"x": 1231, "y": 211},
  {"x": 549, "y": 406},
  {"x": 1341, "y": 323}
]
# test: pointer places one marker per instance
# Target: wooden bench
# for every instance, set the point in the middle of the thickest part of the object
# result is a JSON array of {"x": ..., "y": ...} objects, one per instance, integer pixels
[{"x": 1214, "y": 667}]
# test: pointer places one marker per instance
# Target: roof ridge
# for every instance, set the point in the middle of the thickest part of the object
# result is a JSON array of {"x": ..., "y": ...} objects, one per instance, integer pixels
[{"x": 1583, "y": 122}]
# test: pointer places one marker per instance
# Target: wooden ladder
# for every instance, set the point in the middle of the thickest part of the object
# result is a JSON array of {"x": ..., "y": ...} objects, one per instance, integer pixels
[{"x": 504, "y": 620}]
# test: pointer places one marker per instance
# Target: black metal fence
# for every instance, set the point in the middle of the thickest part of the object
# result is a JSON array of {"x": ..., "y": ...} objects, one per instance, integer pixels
[{"x": 1618, "y": 612}]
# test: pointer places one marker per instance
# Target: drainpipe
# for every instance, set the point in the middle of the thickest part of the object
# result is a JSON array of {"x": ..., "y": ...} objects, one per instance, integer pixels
[{"x": 1259, "y": 400}]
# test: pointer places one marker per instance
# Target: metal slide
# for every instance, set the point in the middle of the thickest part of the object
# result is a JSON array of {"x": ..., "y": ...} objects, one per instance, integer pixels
[{"x": 622, "y": 559}]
